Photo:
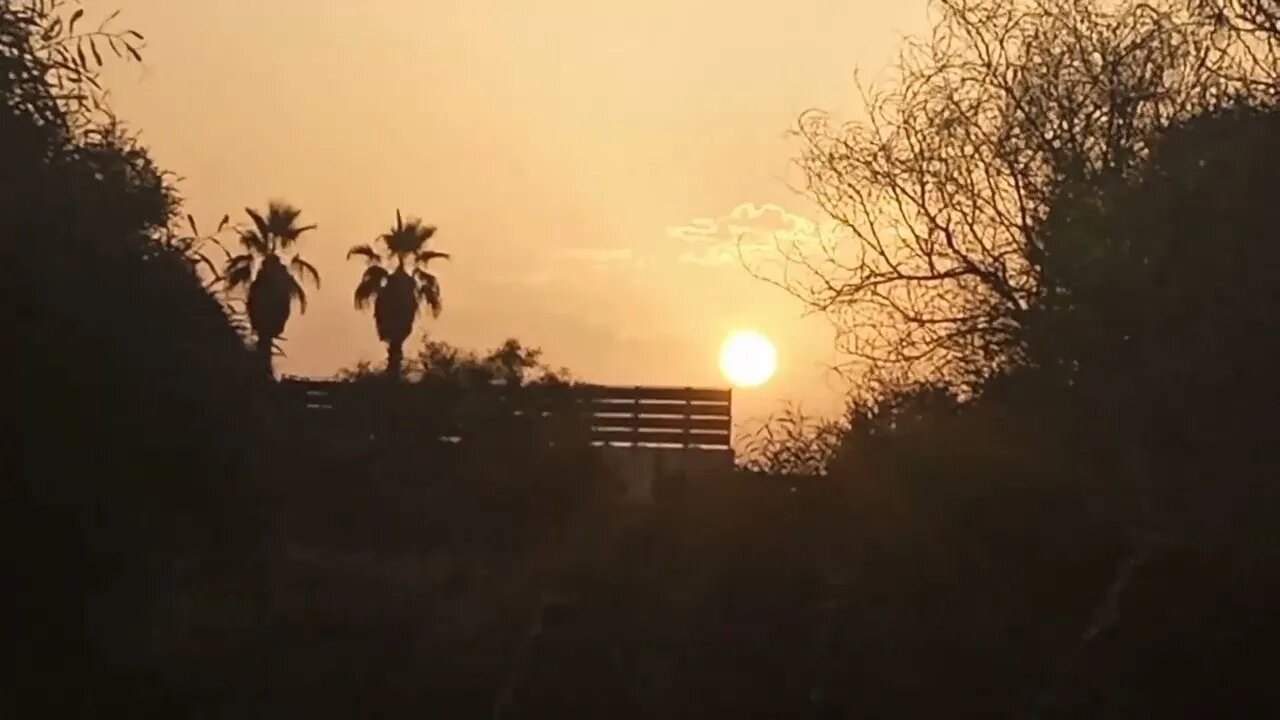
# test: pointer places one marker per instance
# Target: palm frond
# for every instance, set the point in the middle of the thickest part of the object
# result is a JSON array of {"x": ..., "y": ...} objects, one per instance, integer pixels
[
  {"x": 425, "y": 256},
  {"x": 281, "y": 215},
  {"x": 264, "y": 230},
  {"x": 401, "y": 243},
  {"x": 416, "y": 233},
  {"x": 305, "y": 270},
  {"x": 241, "y": 276},
  {"x": 429, "y": 291},
  {"x": 288, "y": 238},
  {"x": 239, "y": 270},
  {"x": 295, "y": 290},
  {"x": 407, "y": 237},
  {"x": 365, "y": 251},
  {"x": 425, "y": 232},
  {"x": 370, "y": 284},
  {"x": 282, "y": 218},
  {"x": 255, "y": 242}
]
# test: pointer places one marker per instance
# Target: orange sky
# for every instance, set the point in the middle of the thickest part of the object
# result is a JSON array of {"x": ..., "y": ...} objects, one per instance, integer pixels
[{"x": 587, "y": 161}]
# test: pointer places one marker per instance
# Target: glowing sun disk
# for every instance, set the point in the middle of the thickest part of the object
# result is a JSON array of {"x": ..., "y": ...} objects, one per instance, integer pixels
[{"x": 747, "y": 358}]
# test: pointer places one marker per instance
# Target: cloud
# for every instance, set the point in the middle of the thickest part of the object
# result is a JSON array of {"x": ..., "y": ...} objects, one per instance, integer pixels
[
  {"x": 749, "y": 231},
  {"x": 700, "y": 229}
]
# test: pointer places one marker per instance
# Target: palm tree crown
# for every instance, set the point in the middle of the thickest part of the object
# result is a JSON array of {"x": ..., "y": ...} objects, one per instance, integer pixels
[
  {"x": 275, "y": 285},
  {"x": 398, "y": 283}
]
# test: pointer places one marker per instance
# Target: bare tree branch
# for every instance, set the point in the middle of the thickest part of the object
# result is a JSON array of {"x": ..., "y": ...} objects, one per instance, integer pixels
[{"x": 940, "y": 190}]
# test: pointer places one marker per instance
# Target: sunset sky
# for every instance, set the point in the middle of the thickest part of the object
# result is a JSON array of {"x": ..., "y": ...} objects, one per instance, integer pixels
[{"x": 589, "y": 163}]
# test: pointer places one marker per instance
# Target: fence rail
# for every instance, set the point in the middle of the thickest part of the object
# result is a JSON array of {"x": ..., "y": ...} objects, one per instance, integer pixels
[{"x": 616, "y": 415}]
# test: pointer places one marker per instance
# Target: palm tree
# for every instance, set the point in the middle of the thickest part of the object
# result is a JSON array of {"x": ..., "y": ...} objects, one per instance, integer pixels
[
  {"x": 275, "y": 285},
  {"x": 397, "y": 282}
]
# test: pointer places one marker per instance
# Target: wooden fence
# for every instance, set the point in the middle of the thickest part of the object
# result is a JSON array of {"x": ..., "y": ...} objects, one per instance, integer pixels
[
  {"x": 617, "y": 416},
  {"x": 660, "y": 416}
]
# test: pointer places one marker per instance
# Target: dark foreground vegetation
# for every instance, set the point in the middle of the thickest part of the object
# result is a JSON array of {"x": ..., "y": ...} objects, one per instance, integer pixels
[{"x": 1054, "y": 494}]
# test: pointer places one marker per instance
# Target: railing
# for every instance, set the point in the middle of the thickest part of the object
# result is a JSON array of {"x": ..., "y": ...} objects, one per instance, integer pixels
[
  {"x": 621, "y": 416},
  {"x": 689, "y": 417}
]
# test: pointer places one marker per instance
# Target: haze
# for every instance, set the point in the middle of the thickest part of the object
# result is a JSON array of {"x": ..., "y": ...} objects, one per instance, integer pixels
[{"x": 589, "y": 164}]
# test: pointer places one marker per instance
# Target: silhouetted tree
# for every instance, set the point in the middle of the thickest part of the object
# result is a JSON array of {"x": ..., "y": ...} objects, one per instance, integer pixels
[
  {"x": 126, "y": 474},
  {"x": 275, "y": 285},
  {"x": 1249, "y": 30},
  {"x": 1052, "y": 254},
  {"x": 514, "y": 361},
  {"x": 1165, "y": 308},
  {"x": 939, "y": 195},
  {"x": 398, "y": 292},
  {"x": 511, "y": 364}
]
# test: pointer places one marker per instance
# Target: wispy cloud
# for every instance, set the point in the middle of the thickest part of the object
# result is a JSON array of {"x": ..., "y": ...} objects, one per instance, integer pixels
[
  {"x": 749, "y": 232},
  {"x": 696, "y": 231}
]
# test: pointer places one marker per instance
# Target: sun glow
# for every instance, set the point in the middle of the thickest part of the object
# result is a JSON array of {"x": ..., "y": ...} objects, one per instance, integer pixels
[{"x": 747, "y": 358}]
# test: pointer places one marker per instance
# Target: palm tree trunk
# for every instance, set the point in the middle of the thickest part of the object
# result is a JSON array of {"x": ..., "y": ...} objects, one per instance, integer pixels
[
  {"x": 264, "y": 355},
  {"x": 395, "y": 358}
]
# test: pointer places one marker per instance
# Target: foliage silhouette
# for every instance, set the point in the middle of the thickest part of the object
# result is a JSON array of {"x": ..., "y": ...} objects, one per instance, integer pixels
[
  {"x": 398, "y": 291},
  {"x": 939, "y": 195},
  {"x": 1166, "y": 297},
  {"x": 790, "y": 442},
  {"x": 1064, "y": 322},
  {"x": 497, "y": 400},
  {"x": 275, "y": 285},
  {"x": 128, "y": 394},
  {"x": 1053, "y": 497}
]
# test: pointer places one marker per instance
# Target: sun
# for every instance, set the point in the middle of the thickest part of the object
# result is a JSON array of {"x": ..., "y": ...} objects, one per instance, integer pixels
[{"x": 747, "y": 358}]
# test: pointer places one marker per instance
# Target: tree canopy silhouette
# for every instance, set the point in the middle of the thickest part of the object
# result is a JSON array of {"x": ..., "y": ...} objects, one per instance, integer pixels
[
  {"x": 1053, "y": 269},
  {"x": 274, "y": 287},
  {"x": 127, "y": 389},
  {"x": 1165, "y": 309},
  {"x": 939, "y": 196},
  {"x": 398, "y": 283},
  {"x": 1058, "y": 499}
]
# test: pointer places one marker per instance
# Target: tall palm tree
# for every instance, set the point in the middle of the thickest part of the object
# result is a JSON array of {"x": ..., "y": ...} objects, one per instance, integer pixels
[
  {"x": 276, "y": 283},
  {"x": 397, "y": 282}
]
